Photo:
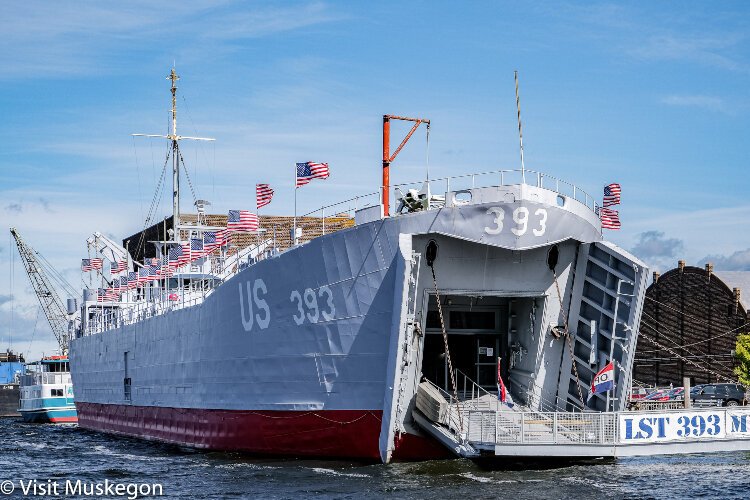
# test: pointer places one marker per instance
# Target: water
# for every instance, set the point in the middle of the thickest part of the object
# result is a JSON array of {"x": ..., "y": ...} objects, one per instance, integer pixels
[{"x": 59, "y": 453}]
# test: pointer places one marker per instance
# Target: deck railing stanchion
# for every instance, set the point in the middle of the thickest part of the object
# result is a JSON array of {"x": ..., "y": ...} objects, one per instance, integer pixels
[
  {"x": 523, "y": 427},
  {"x": 554, "y": 427}
]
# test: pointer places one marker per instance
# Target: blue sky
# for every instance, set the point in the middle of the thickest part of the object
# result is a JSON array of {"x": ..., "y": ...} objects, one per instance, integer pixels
[{"x": 650, "y": 94}]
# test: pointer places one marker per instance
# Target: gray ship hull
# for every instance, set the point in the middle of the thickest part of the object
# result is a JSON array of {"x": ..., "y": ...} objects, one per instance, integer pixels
[{"x": 319, "y": 351}]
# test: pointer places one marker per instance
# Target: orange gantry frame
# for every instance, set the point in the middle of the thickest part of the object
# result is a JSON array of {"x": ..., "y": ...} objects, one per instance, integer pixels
[{"x": 388, "y": 158}]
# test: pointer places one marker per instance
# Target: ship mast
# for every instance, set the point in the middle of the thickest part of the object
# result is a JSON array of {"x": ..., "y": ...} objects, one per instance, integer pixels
[
  {"x": 175, "y": 158},
  {"x": 175, "y": 140}
]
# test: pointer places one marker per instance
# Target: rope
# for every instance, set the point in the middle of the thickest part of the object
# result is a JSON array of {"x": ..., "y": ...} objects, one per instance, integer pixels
[
  {"x": 676, "y": 345},
  {"x": 570, "y": 342},
  {"x": 447, "y": 351},
  {"x": 683, "y": 358},
  {"x": 672, "y": 333}
]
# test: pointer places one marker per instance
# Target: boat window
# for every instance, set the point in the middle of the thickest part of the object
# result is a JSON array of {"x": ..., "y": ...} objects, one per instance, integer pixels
[{"x": 57, "y": 392}]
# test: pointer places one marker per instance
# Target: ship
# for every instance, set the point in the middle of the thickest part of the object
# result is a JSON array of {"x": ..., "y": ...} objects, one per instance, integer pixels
[
  {"x": 320, "y": 341},
  {"x": 11, "y": 368},
  {"x": 47, "y": 392}
]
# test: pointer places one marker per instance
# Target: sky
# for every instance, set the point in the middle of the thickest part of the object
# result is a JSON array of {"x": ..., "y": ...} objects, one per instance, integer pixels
[{"x": 653, "y": 95}]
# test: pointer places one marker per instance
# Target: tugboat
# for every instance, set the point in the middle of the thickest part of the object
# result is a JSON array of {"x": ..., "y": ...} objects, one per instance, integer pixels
[
  {"x": 11, "y": 368},
  {"x": 47, "y": 392}
]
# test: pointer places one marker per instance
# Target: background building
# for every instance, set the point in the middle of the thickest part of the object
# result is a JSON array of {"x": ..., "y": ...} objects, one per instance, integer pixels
[{"x": 691, "y": 318}]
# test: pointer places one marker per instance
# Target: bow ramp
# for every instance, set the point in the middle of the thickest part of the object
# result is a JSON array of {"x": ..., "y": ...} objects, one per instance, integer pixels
[{"x": 478, "y": 426}]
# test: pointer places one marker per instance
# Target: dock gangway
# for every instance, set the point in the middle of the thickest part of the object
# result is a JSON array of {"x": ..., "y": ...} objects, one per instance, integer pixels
[{"x": 477, "y": 426}]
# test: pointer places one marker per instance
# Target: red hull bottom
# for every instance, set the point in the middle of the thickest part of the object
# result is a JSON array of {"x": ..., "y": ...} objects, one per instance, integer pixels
[{"x": 322, "y": 434}]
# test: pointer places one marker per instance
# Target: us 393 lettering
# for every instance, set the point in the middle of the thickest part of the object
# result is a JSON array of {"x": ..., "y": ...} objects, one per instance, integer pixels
[
  {"x": 253, "y": 307},
  {"x": 309, "y": 308}
]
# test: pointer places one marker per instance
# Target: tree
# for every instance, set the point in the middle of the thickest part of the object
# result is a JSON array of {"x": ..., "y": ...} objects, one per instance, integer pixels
[{"x": 742, "y": 357}]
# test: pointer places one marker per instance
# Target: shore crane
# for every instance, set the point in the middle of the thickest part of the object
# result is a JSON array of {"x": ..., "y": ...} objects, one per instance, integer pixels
[{"x": 39, "y": 272}]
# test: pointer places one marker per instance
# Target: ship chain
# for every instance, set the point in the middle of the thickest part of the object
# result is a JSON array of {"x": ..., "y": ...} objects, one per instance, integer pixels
[
  {"x": 570, "y": 342},
  {"x": 447, "y": 351}
]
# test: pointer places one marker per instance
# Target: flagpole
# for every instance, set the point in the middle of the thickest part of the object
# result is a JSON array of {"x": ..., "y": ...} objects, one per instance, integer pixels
[
  {"x": 294, "y": 227},
  {"x": 520, "y": 134}
]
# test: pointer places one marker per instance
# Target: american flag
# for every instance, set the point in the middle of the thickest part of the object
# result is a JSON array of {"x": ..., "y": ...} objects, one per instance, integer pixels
[
  {"x": 152, "y": 261},
  {"x": 124, "y": 283},
  {"x": 105, "y": 295},
  {"x": 165, "y": 268},
  {"x": 179, "y": 255},
  {"x": 116, "y": 284},
  {"x": 132, "y": 280},
  {"x": 263, "y": 195},
  {"x": 610, "y": 218},
  {"x": 612, "y": 194},
  {"x": 196, "y": 248},
  {"x": 143, "y": 275},
  {"x": 117, "y": 267},
  {"x": 309, "y": 170},
  {"x": 209, "y": 242},
  {"x": 153, "y": 272},
  {"x": 222, "y": 237},
  {"x": 90, "y": 264},
  {"x": 242, "y": 220}
]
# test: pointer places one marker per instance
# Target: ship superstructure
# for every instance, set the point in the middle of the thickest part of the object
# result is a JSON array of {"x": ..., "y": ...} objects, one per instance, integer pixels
[{"x": 319, "y": 349}]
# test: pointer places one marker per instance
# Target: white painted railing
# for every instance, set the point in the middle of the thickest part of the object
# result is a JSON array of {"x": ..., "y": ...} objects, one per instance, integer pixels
[{"x": 504, "y": 427}]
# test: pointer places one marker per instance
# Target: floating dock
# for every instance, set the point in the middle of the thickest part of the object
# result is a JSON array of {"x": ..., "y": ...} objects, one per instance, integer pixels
[{"x": 482, "y": 427}]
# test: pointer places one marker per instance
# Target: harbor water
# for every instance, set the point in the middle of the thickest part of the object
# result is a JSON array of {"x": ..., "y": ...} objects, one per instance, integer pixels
[{"x": 58, "y": 453}]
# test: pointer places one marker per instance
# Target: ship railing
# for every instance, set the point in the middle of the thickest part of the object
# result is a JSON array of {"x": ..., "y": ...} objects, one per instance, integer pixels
[
  {"x": 329, "y": 218},
  {"x": 437, "y": 189},
  {"x": 494, "y": 178},
  {"x": 108, "y": 317}
]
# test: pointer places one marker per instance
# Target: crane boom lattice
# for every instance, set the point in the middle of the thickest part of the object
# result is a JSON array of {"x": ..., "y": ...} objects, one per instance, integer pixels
[{"x": 48, "y": 298}]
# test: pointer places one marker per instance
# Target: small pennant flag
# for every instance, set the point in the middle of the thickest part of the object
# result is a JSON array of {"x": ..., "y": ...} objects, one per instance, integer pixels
[
  {"x": 91, "y": 264},
  {"x": 502, "y": 393},
  {"x": 263, "y": 195},
  {"x": 612, "y": 195},
  {"x": 604, "y": 380},
  {"x": 242, "y": 220},
  {"x": 610, "y": 218},
  {"x": 308, "y": 171}
]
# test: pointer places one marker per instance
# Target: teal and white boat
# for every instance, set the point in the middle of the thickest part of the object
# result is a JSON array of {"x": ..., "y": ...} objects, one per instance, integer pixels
[{"x": 47, "y": 392}]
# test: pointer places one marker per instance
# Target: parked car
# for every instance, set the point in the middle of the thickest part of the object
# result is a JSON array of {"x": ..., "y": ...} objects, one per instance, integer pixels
[{"x": 719, "y": 395}]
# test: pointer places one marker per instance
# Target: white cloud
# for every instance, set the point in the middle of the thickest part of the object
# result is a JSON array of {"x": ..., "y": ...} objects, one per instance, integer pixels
[
  {"x": 737, "y": 261},
  {"x": 658, "y": 251},
  {"x": 53, "y": 39},
  {"x": 710, "y": 103},
  {"x": 707, "y": 50}
]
